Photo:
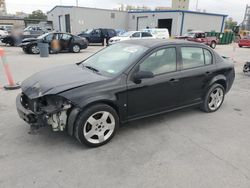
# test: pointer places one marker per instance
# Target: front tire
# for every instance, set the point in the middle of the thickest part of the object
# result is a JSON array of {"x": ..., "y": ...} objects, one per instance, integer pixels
[
  {"x": 33, "y": 49},
  {"x": 214, "y": 98},
  {"x": 96, "y": 125},
  {"x": 246, "y": 68},
  {"x": 213, "y": 45}
]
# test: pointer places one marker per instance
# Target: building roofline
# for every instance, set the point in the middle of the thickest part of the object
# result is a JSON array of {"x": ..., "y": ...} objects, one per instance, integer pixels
[
  {"x": 62, "y": 6},
  {"x": 183, "y": 11},
  {"x": 10, "y": 18},
  {"x": 142, "y": 11}
]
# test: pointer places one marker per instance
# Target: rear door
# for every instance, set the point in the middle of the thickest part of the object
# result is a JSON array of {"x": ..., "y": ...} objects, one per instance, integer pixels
[
  {"x": 198, "y": 68},
  {"x": 65, "y": 41}
]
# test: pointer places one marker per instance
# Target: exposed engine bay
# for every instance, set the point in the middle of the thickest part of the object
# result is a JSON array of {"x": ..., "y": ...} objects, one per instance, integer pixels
[{"x": 49, "y": 110}]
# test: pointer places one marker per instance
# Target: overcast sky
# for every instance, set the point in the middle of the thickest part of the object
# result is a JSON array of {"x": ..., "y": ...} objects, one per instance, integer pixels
[{"x": 233, "y": 8}]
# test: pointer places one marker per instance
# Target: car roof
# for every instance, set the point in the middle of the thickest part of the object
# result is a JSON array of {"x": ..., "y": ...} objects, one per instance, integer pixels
[{"x": 152, "y": 43}]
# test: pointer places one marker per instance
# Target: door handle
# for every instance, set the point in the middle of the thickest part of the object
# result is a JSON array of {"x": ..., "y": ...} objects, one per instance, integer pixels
[
  {"x": 173, "y": 80},
  {"x": 208, "y": 73}
]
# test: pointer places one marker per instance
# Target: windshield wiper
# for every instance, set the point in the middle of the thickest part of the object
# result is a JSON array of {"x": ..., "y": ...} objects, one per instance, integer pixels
[{"x": 91, "y": 68}]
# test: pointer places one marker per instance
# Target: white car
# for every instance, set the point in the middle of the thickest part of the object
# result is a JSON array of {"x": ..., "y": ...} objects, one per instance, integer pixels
[
  {"x": 3, "y": 33},
  {"x": 158, "y": 33},
  {"x": 131, "y": 35}
]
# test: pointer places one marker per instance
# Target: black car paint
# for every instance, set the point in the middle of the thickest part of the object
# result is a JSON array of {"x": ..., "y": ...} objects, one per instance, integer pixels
[
  {"x": 94, "y": 37},
  {"x": 16, "y": 40},
  {"x": 160, "y": 94},
  {"x": 28, "y": 42}
]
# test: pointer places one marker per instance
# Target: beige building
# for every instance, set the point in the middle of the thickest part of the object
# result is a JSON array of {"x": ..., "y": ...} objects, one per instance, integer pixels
[
  {"x": 3, "y": 10},
  {"x": 180, "y": 4}
]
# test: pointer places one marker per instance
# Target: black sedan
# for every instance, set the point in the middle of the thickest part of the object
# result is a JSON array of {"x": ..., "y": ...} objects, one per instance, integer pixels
[
  {"x": 126, "y": 81},
  {"x": 66, "y": 42}
]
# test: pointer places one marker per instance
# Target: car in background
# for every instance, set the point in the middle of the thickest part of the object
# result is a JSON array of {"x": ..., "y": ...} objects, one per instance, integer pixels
[
  {"x": 126, "y": 81},
  {"x": 120, "y": 32},
  {"x": 3, "y": 33},
  {"x": 67, "y": 42},
  {"x": 34, "y": 30},
  {"x": 245, "y": 41},
  {"x": 158, "y": 33},
  {"x": 17, "y": 35},
  {"x": 131, "y": 35},
  {"x": 98, "y": 35},
  {"x": 200, "y": 37}
]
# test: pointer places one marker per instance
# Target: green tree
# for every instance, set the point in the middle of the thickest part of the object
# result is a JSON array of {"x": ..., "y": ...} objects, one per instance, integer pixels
[
  {"x": 38, "y": 15},
  {"x": 230, "y": 23}
]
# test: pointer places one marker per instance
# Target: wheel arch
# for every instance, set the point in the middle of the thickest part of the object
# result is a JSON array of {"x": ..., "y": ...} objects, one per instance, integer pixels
[
  {"x": 73, "y": 115},
  {"x": 219, "y": 79}
]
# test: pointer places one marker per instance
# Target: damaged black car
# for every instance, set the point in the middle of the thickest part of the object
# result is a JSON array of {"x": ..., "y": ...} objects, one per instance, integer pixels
[{"x": 126, "y": 81}]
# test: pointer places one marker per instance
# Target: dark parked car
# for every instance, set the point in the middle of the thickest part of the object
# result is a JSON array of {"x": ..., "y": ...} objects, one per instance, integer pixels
[
  {"x": 98, "y": 35},
  {"x": 66, "y": 42},
  {"x": 14, "y": 39},
  {"x": 126, "y": 81}
]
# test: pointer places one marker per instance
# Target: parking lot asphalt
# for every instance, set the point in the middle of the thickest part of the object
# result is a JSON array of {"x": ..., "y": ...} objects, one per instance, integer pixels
[{"x": 182, "y": 149}]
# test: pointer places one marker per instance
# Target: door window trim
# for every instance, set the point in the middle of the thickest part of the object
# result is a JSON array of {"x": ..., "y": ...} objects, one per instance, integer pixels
[
  {"x": 135, "y": 67},
  {"x": 190, "y": 46}
]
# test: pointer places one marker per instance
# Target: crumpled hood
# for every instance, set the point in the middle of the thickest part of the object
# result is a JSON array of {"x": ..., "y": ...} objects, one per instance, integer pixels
[{"x": 58, "y": 79}]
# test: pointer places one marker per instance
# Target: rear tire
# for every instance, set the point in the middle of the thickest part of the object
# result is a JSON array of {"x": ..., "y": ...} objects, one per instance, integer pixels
[
  {"x": 240, "y": 46},
  {"x": 96, "y": 125},
  {"x": 214, "y": 98},
  {"x": 75, "y": 48}
]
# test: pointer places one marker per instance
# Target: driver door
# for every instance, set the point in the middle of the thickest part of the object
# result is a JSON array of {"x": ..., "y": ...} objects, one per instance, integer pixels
[
  {"x": 157, "y": 94},
  {"x": 96, "y": 36}
]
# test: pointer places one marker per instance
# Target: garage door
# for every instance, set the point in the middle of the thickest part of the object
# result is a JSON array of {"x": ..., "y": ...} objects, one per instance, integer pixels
[{"x": 142, "y": 22}]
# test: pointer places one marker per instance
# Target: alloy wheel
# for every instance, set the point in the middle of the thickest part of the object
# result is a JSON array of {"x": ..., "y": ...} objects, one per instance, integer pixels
[
  {"x": 76, "y": 48},
  {"x": 215, "y": 99},
  {"x": 35, "y": 49},
  {"x": 99, "y": 127}
]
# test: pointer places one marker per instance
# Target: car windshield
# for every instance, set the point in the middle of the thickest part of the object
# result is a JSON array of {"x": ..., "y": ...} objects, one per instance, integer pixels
[
  {"x": 127, "y": 34},
  {"x": 42, "y": 36},
  {"x": 89, "y": 31},
  {"x": 114, "y": 59}
]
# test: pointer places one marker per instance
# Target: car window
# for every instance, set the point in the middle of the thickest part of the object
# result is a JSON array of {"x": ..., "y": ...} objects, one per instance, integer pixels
[
  {"x": 136, "y": 35},
  {"x": 96, "y": 32},
  {"x": 65, "y": 36},
  {"x": 145, "y": 34},
  {"x": 161, "y": 61},
  {"x": 208, "y": 57},
  {"x": 111, "y": 32},
  {"x": 57, "y": 36},
  {"x": 192, "y": 57},
  {"x": 48, "y": 38}
]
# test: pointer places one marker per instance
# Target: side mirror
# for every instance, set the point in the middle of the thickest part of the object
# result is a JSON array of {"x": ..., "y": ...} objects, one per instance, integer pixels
[{"x": 141, "y": 75}]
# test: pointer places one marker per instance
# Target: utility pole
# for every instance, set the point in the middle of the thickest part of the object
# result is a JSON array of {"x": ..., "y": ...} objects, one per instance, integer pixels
[
  {"x": 77, "y": 3},
  {"x": 197, "y": 5}
]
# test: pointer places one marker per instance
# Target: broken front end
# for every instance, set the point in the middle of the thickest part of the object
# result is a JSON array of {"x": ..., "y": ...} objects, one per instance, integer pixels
[{"x": 52, "y": 110}]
